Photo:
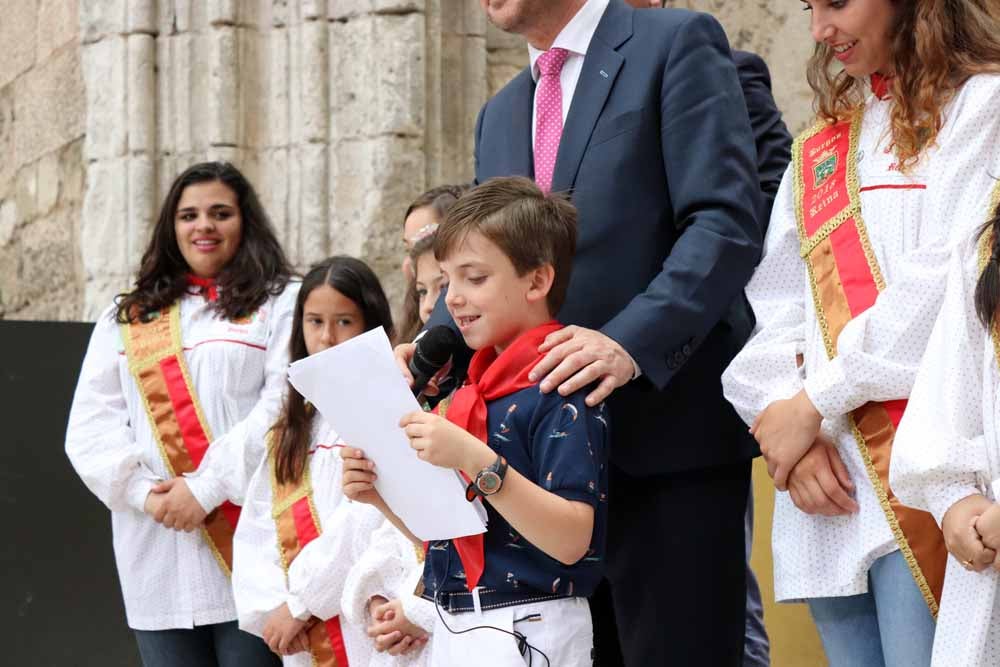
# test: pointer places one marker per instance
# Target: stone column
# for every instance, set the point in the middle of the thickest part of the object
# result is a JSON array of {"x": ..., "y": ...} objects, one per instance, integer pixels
[
  {"x": 120, "y": 145},
  {"x": 340, "y": 112},
  {"x": 41, "y": 176}
]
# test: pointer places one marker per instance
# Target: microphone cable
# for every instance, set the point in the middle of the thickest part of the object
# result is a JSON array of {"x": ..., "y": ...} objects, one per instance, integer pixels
[{"x": 523, "y": 647}]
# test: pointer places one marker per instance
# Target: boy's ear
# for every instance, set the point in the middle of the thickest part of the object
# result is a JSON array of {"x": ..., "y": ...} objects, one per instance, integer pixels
[{"x": 541, "y": 282}]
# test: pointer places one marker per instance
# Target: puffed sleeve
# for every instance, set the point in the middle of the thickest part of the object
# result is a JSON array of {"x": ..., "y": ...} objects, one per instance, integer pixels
[
  {"x": 939, "y": 454},
  {"x": 233, "y": 456},
  {"x": 388, "y": 568},
  {"x": 258, "y": 576},
  {"x": 766, "y": 370},
  {"x": 100, "y": 442},
  {"x": 317, "y": 575}
]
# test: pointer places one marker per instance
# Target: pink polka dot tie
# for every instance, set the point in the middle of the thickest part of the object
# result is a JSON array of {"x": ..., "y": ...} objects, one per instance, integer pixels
[{"x": 548, "y": 115}]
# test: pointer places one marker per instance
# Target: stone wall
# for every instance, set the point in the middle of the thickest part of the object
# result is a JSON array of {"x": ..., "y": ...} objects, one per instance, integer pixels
[
  {"x": 779, "y": 33},
  {"x": 339, "y": 110},
  {"x": 42, "y": 114}
]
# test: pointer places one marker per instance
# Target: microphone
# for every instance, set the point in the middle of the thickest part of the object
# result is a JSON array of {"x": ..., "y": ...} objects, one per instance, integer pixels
[{"x": 432, "y": 352}]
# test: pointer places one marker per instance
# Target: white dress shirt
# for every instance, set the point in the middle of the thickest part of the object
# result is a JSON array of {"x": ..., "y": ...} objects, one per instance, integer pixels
[
  {"x": 171, "y": 579},
  {"x": 574, "y": 37},
  {"x": 912, "y": 229},
  {"x": 947, "y": 448}
]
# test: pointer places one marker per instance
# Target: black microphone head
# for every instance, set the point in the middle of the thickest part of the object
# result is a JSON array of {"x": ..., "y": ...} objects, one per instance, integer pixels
[{"x": 434, "y": 349}]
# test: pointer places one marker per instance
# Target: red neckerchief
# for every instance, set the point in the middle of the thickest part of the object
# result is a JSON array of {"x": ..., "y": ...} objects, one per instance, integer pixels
[
  {"x": 490, "y": 377},
  {"x": 206, "y": 286},
  {"x": 880, "y": 85}
]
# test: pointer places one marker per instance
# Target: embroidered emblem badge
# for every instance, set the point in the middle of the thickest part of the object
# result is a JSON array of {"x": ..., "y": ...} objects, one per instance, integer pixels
[{"x": 823, "y": 168}]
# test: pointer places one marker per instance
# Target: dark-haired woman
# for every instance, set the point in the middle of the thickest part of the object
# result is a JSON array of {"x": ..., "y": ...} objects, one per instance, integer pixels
[
  {"x": 299, "y": 543},
  {"x": 183, "y": 376},
  {"x": 948, "y": 457},
  {"x": 896, "y": 171}
]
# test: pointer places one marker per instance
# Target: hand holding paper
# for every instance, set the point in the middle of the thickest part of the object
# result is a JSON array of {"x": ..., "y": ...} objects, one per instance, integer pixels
[{"x": 359, "y": 390}]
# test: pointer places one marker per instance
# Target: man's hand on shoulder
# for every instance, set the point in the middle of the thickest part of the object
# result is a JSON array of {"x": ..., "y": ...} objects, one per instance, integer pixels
[{"x": 576, "y": 357}]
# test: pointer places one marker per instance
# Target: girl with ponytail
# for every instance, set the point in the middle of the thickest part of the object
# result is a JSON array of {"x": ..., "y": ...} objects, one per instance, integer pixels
[{"x": 894, "y": 174}]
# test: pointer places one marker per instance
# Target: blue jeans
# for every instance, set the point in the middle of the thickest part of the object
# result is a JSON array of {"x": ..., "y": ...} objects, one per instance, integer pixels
[
  {"x": 889, "y": 626},
  {"x": 216, "y": 645},
  {"x": 756, "y": 648}
]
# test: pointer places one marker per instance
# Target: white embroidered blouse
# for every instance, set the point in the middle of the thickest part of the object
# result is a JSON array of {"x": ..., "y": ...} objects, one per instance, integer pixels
[
  {"x": 948, "y": 449},
  {"x": 172, "y": 579},
  {"x": 357, "y": 555},
  {"x": 912, "y": 220}
]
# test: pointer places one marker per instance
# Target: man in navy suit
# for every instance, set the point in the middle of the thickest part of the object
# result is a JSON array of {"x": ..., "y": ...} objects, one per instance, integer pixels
[
  {"x": 657, "y": 151},
  {"x": 773, "y": 146},
  {"x": 773, "y": 143}
]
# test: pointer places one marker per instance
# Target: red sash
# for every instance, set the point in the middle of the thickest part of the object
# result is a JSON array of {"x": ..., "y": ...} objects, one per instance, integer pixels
[
  {"x": 491, "y": 377},
  {"x": 297, "y": 524},
  {"x": 845, "y": 280},
  {"x": 156, "y": 362}
]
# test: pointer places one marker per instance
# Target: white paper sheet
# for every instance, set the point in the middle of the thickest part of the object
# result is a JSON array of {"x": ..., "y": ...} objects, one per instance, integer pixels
[{"x": 358, "y": 389}]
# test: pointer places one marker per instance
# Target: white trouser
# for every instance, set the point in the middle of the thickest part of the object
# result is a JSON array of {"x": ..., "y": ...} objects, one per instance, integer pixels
[{"x": 562, "y": 631}]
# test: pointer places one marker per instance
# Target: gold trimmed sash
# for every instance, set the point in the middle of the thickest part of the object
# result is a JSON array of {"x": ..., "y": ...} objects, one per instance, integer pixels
[
  {"x": 156, "y": 362},
  {"x": 845, "y": 279},
  {"x": 297, "y": 524}
]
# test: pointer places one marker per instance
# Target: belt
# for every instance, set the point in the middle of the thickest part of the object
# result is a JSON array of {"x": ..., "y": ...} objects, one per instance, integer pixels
[{"x": 464, "y": 601}]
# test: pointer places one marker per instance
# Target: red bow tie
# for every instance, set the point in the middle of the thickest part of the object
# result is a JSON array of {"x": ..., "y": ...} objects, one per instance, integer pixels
[{"x": 206, "y": 286}]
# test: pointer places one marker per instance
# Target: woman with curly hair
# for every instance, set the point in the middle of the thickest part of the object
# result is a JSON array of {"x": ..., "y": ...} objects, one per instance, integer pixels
[
  {"x": 896, "y": 171},
  {"x": 183, "y": 377}
]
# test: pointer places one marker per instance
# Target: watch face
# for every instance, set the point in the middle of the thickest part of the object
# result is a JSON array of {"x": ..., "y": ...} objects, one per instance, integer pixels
[{"x": 488, "y": 482}]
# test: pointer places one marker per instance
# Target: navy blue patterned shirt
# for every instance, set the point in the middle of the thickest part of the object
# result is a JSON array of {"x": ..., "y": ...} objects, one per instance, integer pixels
[{"x": 561, "y": 445}]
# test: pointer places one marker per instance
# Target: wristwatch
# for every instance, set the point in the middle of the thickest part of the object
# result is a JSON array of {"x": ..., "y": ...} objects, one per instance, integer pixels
[{"x": 488, "y": 480}]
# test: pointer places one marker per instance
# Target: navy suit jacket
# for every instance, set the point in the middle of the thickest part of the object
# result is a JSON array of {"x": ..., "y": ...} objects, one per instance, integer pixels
[{"x": 659, "y": 157}]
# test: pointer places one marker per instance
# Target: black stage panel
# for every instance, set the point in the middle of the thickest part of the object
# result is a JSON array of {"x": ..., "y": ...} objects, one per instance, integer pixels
[{"x": 60, "y": 602}]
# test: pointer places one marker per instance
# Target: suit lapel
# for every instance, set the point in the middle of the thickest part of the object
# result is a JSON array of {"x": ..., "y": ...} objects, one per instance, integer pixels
[
  {"x": 597, "y": 78},
  {"x": 521, "y": 118}
]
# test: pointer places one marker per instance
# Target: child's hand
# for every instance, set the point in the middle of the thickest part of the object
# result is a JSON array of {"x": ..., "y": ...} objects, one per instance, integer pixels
[
  {"x": 177, "y": 507},
  {"x": 441, "y": 443},
  {"x": 960, "y": 536},
  {"x": 374, "y": 603},
  {"x": 988, "y": 526},
  {"x": 393, "y": 632},
  {"x": 154, "y": 501},
  {"x": 283, "y": 632},
  {"x": 301, "y": 641},
  {"x": 359, "y": 477},
  {"x": 786, "y": 430}
]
